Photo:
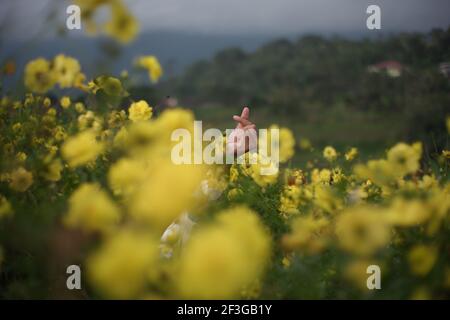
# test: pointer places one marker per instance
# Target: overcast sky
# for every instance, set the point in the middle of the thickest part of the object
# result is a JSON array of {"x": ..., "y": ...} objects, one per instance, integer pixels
[{"x": 254, "y": 16}]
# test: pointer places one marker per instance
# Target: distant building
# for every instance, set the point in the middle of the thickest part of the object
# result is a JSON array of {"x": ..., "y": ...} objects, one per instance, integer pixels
[
  {"x": 392, "y": 68},
  {"x": 444, "y": 68}
]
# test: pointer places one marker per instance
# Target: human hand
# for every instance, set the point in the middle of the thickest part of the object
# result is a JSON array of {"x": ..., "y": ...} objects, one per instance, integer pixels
[{"x": 243, "y": 138}]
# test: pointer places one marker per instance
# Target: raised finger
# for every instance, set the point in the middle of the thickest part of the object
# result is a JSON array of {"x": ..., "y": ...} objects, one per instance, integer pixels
[{"x": 245, "y": 113}]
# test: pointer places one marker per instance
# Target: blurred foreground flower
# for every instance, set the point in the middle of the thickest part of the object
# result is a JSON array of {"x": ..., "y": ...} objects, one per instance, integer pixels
[
  {"x": 121, "y": 267},
  {"x": 81, "y": 149},
  {"x": 221, "y": 259},
  {"x": 91, "y": 209}
]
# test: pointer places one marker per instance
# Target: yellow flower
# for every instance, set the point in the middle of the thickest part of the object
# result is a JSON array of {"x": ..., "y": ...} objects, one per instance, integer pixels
[
  {"x": 213, "y": 266},
  {"x": 362, "y": 230},
  {"x": 337, "y": 175},
  {"x": 220, "y": 260},
  {"x": 47, "y": 102},
  {"x": 65, "y": 102},
  {"x": 79, "y": 107},
  {"x": 166, "y": 181},
  {"x": 21, "y": 179},
  {"x": 309, "y": 234},
  {"x": 149, "y": 139},
  {"x": 5, "y": 207},
  {"x": 121, "y": 138},
  {"x": 422, "y": 258},
  {"x": 294, "y": 177},
  {"x": 261, "y": 169},
  {"x": 122, "y": 26},
  {"x": 139, "y": 111},
  {"x": 151, "y": 64},
  {"x": 110, "y": 85},
  {"x": 39, "y": 77},
  {"x": 126, "y": 175},
  {"x": 253, "y": 236},
  {"x": 53, "y": 172},
  {"x": 351, "y": 154},
  {"x": 285, "y": 144},
  {"x": 290, "y": 200},
  {"x": 81, "y": 149},
  {"x": 329, "y": 153},
  {"x": 91, "y": 209},
  {"x": 404, "y": 158},
  {"x": 381, "y": 172},
  {"x": 408, "y": 213},
  {"x": 119, "y": 268},
  {"x": 21, "y": 157},
  {"x": 66, "y": 70},
  {"x": 326, "y": 199}
]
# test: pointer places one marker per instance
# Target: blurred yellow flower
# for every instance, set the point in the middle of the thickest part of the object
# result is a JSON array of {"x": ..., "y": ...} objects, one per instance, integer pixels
[
  {"x": 252, "y": 233},
  {"x": 308, "y": 234},
  {"x": 139, "y": 111},
  {"x": 362, "y": 230},
  {"x": 66, "y": 70},
  {"x": 21, "y": 179},
  {"x": 407, "y": 212},
  {"x": 81, "y": 149},
  {"x": 151, "y": 64},
  {"x": 121, "y": 138},
  {"x": 329, "y": 153},
  {"x": 65, "y": 102},
  {"x": 381, "y": 172},
  {"x": 287, "y": 144},
  {"x": 126, "y": 175},
  {"x": 220, "y": 260},
  {"x": 39, "y": 77},
  {"x": 326, "y": 199},
  {"x": 5, "y": 207},
  {"x": 290, "y": 200},
  {"x": 91, "y": 209},
  {"x": 79, "y": 107},
  {"x": 422, "y": 258},
  {"x": 119, "y": 268},
  {"x": 404, "y": 158},
  {"x": 166, "y": 181},
  {"x": 213, "y": 266},
  {"x": 53, "y": 170},
  {"x": 122, "y": 26},
  {"x": 351, "y": 154},
  {"x": 47, "y": 102},
  {"x": 21, "y": 157}
]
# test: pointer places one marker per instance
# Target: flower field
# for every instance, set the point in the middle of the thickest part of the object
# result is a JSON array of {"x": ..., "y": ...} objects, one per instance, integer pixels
[{"x": 86, "y": 179}]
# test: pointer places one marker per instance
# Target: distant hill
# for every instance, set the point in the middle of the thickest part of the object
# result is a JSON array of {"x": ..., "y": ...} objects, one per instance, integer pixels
[
  {"x": 319, "y": 80},
  {"x": 176, "y": 50}
]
